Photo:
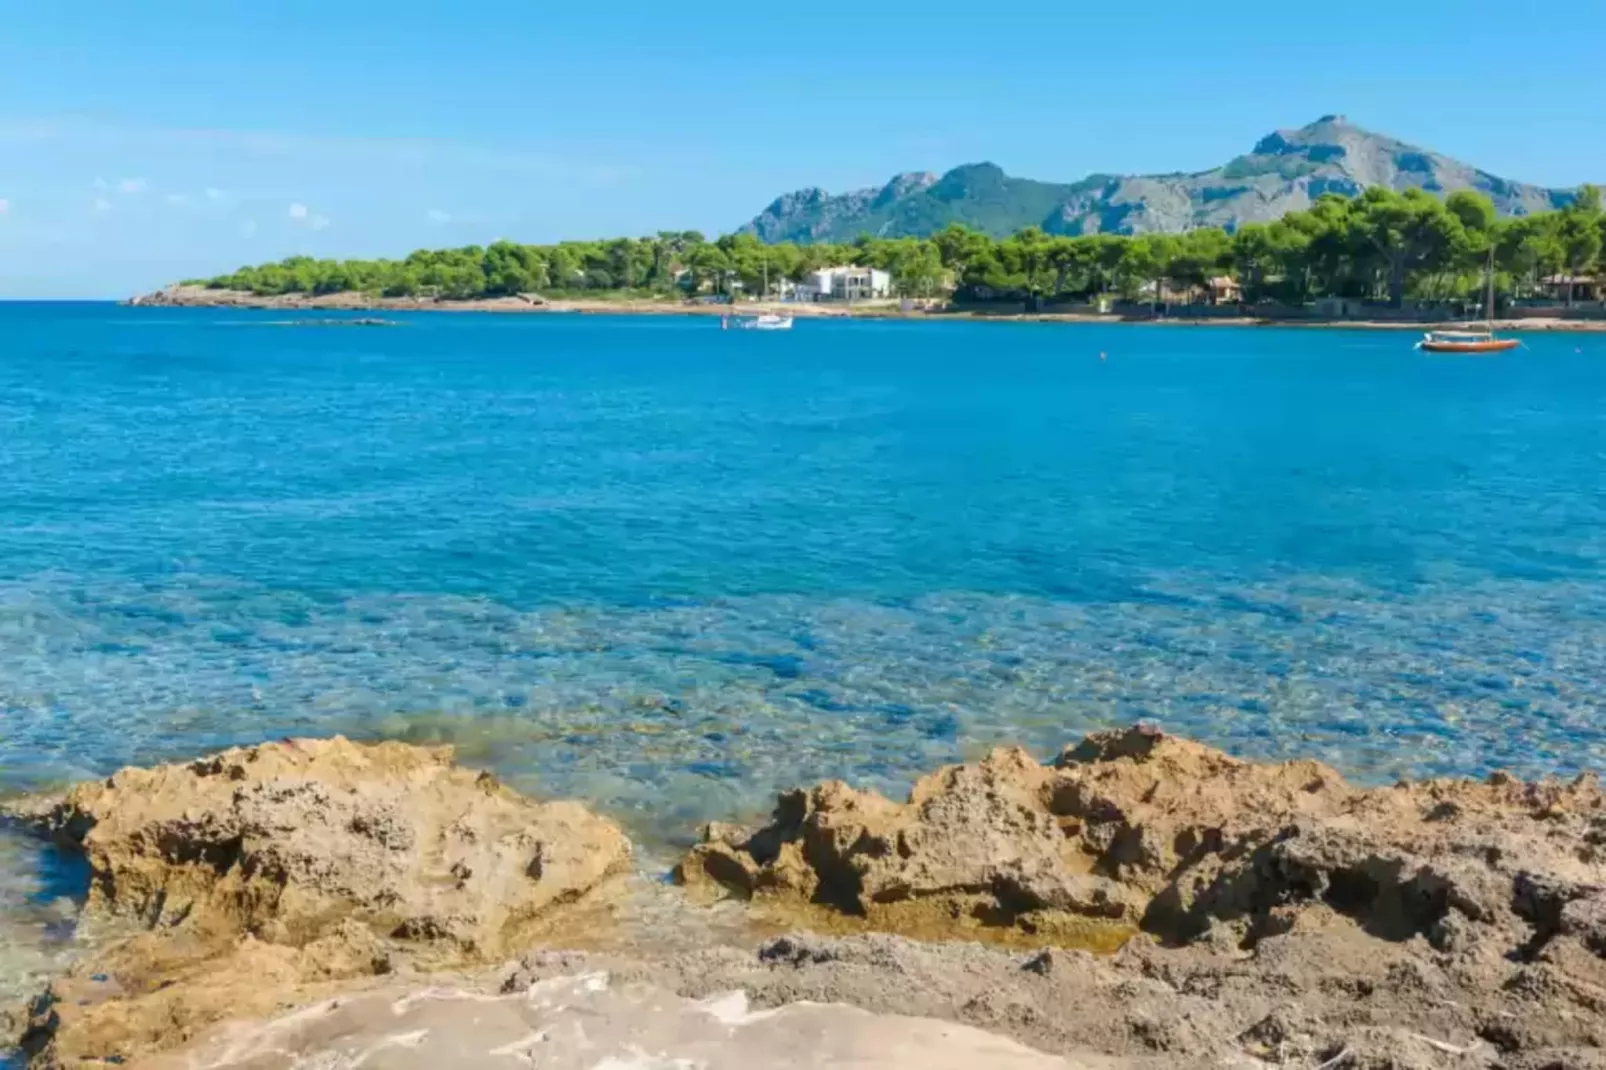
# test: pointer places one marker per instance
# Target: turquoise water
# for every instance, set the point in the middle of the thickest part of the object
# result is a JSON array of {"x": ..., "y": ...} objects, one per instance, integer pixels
[{"x": 669, "y": 569}]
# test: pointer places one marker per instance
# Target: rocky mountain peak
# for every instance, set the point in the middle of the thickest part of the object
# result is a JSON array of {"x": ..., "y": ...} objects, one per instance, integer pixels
[
  {"x": 905, "y": 185},
  {"x": 1285, "y": 171}
]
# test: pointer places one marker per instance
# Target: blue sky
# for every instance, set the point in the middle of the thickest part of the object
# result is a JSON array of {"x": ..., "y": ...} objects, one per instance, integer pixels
[{"x": 141, "y": 143}]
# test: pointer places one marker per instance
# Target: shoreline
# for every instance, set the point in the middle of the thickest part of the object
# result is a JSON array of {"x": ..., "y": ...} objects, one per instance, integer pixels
[
  {"x": 201, "y": 297},
  {"x": 1261, "y": 913}
]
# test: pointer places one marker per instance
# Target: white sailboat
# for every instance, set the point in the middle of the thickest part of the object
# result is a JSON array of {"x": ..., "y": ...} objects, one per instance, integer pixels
[{"x": 768, "y": 321}]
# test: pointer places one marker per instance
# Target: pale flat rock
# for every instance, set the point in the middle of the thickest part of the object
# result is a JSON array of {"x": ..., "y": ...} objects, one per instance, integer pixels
[{"x": 586, "y": 1022}]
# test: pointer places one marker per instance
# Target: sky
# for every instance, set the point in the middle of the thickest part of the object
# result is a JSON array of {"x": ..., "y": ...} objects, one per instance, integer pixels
[{"x": 144, "y": 143}]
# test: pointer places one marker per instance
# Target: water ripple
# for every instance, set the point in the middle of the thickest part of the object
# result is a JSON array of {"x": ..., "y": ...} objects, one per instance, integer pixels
[{"x": 670, "y": 570}]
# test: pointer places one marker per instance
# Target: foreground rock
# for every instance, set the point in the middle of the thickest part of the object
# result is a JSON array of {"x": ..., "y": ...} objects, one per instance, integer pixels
[
  {"x": 1254, "y": 914},
  {"x": 588, "y": 1021},
  {"x": 1142, "y": 1009},
  {"x": 1294, "y": 1002},
  {"x": 256, "y": 878},
  {"x": 1252, "y": 884}
]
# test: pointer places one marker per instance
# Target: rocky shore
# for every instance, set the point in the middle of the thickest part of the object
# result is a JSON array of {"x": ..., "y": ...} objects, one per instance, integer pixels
[
  {"x": 249, "y": 881},
  {"x": 205, "y": 297},
  {"x": 184, "y": 296},
  {"x": 1140, "y": 901}
]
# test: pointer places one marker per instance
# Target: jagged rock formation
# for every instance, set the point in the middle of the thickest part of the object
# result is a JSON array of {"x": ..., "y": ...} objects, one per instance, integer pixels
[
  {"x": 1286, "y": 171},
  {"x": 1245, "y": 915},
  {"x": 1495, "y": 889},
  {"x": 249, "y": 878},
  {"x": 1137, "y": 830}
]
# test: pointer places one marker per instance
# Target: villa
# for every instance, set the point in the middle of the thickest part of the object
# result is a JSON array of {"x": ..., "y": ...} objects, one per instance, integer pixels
[{"x": 848, "y": 283}]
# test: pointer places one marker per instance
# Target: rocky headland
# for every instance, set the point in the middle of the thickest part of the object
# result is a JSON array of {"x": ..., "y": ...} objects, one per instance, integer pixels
[{"x": 1140, "y": 901}]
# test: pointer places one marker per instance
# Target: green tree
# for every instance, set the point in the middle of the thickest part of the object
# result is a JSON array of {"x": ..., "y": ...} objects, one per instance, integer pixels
[
  {"x": 1199, "y": 256},
  {"x": 1480, "y": 226},
  {"x": 1579, "y": 235},
  {"x": 1381, "y": 244},
  {"x": 1025, "y": 254},
  {"x": 1148, "y": 262},
  {"x": 1526, "y": 249},
  {"x": 1068, "y": 261},
  {"x": 958, "y": 245},
  {"x": 1474, "y": 210},
  {"x": 1325, "y": 238},
  {"x": 708, "y": 267},
  {"x": 1405, "y": 233}
]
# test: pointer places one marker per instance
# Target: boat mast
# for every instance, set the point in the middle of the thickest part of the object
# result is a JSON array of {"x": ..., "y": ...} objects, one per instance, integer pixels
[{"x": 1488, "y": 309}]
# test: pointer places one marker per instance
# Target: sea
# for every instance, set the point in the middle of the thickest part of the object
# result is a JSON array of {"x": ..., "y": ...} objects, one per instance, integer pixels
[{"x": 669, "y": 570}]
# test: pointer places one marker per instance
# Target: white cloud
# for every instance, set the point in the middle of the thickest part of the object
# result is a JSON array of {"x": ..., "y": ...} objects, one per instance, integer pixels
[
  {"x": 5, "y": 206},
  {"x": 215, "y": 194},
  {"x": 127, "y": 185},
  {"x": 438, "y": 217},
  {"x": 302, "y": 214},
  {"x": 249, "y": 227},
  {"x": 102, "y": 204},
  {"x": 520, "y": 158}
]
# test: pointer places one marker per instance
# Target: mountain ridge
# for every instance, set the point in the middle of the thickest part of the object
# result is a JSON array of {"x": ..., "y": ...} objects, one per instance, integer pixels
[{"x": 1285, "y": 171}]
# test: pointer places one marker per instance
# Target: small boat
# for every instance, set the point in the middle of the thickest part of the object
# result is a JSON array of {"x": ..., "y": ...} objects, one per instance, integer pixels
[
  {"x": 1471, "y": 341},
  {"x": 1465, "y": 342},
  {"x": 769, "y": 321}
]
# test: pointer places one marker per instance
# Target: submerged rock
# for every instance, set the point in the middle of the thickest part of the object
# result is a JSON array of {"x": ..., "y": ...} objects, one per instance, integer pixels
[{"x": 250, "y": 875}]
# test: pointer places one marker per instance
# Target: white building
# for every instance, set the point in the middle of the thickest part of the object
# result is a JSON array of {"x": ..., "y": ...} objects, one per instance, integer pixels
[{"x": 844, "y": 284}]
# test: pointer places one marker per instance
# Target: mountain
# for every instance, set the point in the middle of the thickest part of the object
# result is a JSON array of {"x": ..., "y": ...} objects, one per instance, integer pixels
[{"x": 1286, "y": 171}]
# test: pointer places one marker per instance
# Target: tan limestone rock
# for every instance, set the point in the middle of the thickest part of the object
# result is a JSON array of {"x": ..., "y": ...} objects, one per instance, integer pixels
[{"x": 251, "y": 877}]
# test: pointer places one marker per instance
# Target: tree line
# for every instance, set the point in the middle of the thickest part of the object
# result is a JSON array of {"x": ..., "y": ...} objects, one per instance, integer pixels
[{"x": 1381, "y": 245}]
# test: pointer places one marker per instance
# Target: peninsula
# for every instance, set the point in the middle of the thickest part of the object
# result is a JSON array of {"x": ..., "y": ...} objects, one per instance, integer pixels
[{"x": 1345, "y": 225}]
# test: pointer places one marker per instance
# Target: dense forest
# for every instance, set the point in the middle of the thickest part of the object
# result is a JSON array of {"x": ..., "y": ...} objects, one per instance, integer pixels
[{"x": 1380, "y": 245}]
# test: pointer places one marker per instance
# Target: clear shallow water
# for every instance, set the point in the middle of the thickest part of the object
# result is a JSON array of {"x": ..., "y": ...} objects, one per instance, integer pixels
[
  {"x": 39, "y": 893},
  {"x": 670, "y": 569}
]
